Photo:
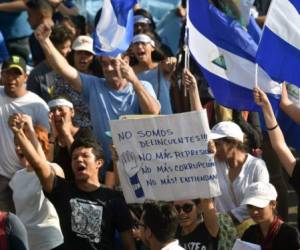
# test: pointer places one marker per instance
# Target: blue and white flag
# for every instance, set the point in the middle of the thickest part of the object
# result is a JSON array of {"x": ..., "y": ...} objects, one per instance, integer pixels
[
  {"x": 114, "y": 30},
  {"x": 254, "y": 30},
  {"x": 226, "y": 54},
  {"x": 279, "y": 49}
]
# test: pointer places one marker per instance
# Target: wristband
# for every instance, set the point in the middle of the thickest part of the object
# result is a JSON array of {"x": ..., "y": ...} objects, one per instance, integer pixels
[
  {"x": 137, "y": 187},
  {"x": 270, "y": 129}
]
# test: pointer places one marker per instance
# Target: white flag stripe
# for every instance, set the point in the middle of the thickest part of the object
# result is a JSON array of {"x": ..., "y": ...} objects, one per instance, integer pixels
[
  {"x": 284, "y": 20},
  {"x": 108, "y": 30},
  {"x": 239, "y": 70}
]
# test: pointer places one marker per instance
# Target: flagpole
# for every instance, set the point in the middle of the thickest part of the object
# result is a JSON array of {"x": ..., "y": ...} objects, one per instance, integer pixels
[
  {"x": 256, "y": 76},
  {"x": 185, "y": 46}
]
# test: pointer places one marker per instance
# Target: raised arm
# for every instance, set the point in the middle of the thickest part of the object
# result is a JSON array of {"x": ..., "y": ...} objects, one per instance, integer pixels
[
  {"x": 190, "y": 83},
  {"x": 210, "y": 217},
  {"x": 276, "y": 137},
  {"x": 291, "y": 109},
  {"x": 13, "y": 6},
  {"x": 148, "y": 104},
  {"x": 55, "y": 59},
  {"x": 64, "y": 10},
  {"x": 39, "y": 163}
]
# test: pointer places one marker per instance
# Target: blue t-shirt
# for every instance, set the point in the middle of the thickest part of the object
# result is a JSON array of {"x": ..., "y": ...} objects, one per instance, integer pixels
[
  {"x": 14, "y": 24},
  {"x": 161, "y": 87},
  {"x": 106, "y": 103}
]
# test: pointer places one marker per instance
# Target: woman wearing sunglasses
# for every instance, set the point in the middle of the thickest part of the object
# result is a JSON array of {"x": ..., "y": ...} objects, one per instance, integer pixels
[{"x": 198, "y": 225}]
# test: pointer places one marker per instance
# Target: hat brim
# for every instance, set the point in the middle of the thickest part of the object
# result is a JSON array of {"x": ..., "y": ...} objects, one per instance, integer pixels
[
  {"x": 215, "y": 136},
  {"x": 261, "y": 203},
  {"x": 15, "y": 66},
  {"x": 83, "y": 48}
]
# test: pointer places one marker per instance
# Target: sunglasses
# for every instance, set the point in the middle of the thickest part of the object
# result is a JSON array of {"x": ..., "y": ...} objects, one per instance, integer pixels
[{"x": 187, "y": 208}]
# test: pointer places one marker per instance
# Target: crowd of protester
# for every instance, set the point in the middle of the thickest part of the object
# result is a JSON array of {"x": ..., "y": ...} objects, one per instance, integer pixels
[{"x": 59, "y": 185}]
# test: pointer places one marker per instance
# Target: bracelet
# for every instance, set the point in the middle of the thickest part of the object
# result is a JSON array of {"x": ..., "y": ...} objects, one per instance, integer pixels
[{"x": 270, "y": 129}]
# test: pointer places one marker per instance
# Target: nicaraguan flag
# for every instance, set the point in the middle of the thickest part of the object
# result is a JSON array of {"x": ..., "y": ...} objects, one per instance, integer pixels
[
  {"x": 279, "y": 48},
  {"x": 254, "y": 30},
  {"x": 226, "y": 54},
  {"x": 114, "y": 30}
]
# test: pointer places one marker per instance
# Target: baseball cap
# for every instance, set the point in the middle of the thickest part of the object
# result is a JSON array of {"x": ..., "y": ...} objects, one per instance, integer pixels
[
  {"x": 83, "y": 43},
  {"x": 226, "y": 129},
  {"x": 15, "y": 62},
  {"x": 259, "y": 194}
]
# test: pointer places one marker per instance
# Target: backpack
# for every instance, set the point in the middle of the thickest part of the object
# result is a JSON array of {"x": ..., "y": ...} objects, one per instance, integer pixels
[{"x": 3, "y": 238}]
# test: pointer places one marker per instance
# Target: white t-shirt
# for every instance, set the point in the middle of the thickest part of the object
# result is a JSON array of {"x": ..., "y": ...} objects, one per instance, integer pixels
[
  {"x": 253, "y": 170},
  {"x": 35, "y": 211},
  {"x": 29, "y": 104},
  {"x": 174, "y": 245}
]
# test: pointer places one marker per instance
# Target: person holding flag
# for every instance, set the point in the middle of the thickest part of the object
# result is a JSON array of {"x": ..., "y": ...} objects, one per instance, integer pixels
[
  {"x": 289, "y": 162},
  {"x": 120, "y": 93}
]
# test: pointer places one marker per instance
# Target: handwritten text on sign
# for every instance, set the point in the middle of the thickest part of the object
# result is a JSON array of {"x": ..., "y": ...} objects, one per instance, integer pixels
[{"x": 165, "y": 158}]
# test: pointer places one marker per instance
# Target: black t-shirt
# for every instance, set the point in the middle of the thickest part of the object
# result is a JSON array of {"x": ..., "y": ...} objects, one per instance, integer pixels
[
  {"x": 62, "y": 155},
  {"x": 89, "y": 219},
  {"x": 295, "y": 178},
  {"x": 286, "y": 238},
  {"x": 198, "y": 239}
]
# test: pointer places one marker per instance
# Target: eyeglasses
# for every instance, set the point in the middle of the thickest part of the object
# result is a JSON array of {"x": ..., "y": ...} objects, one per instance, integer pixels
[{"x": 187, "y": 208}]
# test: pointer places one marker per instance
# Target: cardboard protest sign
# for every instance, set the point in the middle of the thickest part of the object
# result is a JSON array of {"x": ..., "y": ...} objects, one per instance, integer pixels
[{"x": 165, "y": 158}]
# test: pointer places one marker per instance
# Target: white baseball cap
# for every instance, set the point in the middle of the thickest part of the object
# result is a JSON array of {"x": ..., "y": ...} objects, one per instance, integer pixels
[
  {"x": 83, "y": 43},
  {"x": 226, "y": 129},
  {"x": 259, "y": 194}
]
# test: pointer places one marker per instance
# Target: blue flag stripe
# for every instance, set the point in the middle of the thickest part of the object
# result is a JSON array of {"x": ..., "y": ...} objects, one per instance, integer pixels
[
  {"x": 230, "y": 76},
  {"x": 234, "y": 96},
  {"x": 121, "y": 9},
  {"x": 114, "y": 32},
  {"x": 222, "y": 30},
  {"x": 296, "y": 4},
  {"x": 280, "y": 59}
]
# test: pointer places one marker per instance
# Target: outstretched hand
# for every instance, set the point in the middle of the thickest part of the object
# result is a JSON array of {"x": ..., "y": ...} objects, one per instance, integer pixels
[{"x": 260, "y": 98}]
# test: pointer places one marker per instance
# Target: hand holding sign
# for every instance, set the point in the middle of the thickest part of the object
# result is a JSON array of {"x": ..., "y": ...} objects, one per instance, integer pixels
[{"x": 130, "y": 163}]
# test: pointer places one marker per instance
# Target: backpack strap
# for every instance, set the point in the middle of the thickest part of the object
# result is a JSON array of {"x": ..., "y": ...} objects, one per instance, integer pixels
[{"x": 3, "y": 237}]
